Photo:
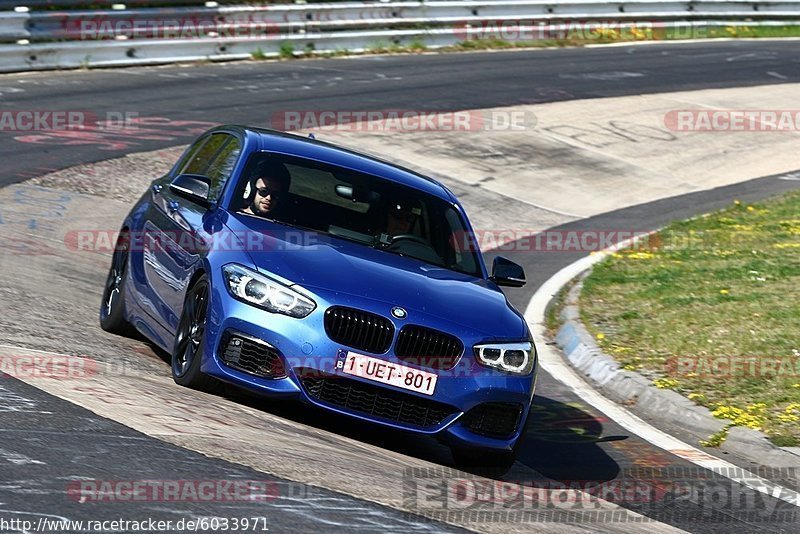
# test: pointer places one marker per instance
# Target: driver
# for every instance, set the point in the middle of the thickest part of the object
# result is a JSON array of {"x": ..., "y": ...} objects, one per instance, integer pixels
[
  {"x": 268, "y": 184},
  {"x": 401, "y": 217}
]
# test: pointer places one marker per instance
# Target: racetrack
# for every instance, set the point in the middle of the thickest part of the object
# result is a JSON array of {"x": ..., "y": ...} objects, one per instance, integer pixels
[{"x": 571, "y": 441}]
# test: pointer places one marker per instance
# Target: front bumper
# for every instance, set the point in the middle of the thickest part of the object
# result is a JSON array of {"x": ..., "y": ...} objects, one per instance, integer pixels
[{"x": 463, "y": 411}]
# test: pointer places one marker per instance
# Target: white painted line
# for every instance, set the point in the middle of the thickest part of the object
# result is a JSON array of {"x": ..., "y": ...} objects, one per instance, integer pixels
[
  {"x": 17, "y": 458},
  {"x": 777, "y": 75},
  {"x": 552, "y": 362}
]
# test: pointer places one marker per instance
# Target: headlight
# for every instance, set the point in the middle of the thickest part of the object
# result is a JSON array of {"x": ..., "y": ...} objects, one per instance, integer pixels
[
  {"x": 517, "y": 358},
  {"x": 256, "y": 289}
]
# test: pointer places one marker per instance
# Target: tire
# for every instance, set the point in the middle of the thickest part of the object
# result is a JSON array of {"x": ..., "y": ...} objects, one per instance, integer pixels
[
  {"x": 112, "y": 307},
  {"x": 190, "y": 339}
]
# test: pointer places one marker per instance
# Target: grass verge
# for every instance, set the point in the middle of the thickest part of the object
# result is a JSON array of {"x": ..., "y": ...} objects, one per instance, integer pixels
[
  {"x": 569, "y": 39},
  {"x": 709, "y": 308}
]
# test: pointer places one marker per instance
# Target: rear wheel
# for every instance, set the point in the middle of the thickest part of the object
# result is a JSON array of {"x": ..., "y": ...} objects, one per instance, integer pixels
[
  {"x": 187, "y": 353},
  {"x": 112, "y": 308}
]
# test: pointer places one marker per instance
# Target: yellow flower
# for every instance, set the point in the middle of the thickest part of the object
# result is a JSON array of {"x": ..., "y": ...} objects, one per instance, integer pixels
[
  {"x": 665, "y": 383},
  {"x": 601, "y": 336},
  {"x": 741, "y": 418},
  {"x": 723, "y": 291},
  {"x": 737, "y": 202},
  {"x": 750, "y": 208}
]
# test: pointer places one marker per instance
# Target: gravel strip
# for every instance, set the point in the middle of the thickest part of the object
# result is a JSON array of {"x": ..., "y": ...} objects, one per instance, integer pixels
[{"x": 120, "y": 179}]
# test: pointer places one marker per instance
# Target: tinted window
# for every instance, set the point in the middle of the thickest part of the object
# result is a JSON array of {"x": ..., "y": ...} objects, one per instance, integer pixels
[
  {"x": 221, "y": 168},
  {"x": 190, "y": 154},
  {"x": 201, "y": 159},
  {"x": 214, "y": 159}
]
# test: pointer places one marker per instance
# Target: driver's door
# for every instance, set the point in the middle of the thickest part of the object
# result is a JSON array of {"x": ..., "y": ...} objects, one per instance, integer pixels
[{"x": 174, "y": 234}]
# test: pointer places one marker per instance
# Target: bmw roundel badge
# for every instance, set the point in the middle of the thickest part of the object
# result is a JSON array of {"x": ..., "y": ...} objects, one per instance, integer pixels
[{"x": 399, "y": 312}]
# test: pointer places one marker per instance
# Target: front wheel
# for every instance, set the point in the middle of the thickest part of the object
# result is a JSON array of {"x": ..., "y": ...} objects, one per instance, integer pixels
[
  {"x": 112, "y": 308},
  {"x": 187, "y": 352}
]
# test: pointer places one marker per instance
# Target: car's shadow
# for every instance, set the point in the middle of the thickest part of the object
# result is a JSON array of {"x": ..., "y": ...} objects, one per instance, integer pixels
[{"x": 561, "y": 441}]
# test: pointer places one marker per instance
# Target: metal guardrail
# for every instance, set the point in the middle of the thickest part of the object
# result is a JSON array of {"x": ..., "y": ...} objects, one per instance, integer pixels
[{"x": 69, "y": 39}]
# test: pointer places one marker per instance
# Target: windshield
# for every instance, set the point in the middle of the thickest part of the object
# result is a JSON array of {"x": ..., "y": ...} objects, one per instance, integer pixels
[{"x": 358, "y": 207}]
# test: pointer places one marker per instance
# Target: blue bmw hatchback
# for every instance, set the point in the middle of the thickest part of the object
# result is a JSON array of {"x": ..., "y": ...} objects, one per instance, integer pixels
[{"x": 296, "y": 268}]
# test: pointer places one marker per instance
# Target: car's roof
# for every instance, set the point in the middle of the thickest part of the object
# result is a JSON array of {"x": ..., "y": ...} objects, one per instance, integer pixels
[{"x": 305, "y": 147}]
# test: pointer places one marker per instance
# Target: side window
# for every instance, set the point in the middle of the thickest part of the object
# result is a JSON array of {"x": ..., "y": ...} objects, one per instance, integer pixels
[
  {"x": 201, "y": 159},
  {"x": 460, "y": 242},
  {"x": 221, "y": 168},
  {"x": 214, "y": 159},
  {"x": 189, "y": 155}
]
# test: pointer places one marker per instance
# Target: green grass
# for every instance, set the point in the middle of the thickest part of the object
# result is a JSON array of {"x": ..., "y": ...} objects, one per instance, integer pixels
[
  {"x": 286, "y": 50},
  {"x": 258, "y": 54},
  {"x": 571, "y": 39},
  {"x": 608, "y": 35},
  {"x": 747, "y": 31},
  {"x": 702, "y": 295}
]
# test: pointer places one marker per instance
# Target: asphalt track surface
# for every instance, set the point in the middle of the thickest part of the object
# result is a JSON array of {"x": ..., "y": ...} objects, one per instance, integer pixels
[
  {"x": 590, "y": 447},
  {"x": 252, "y": 92}
]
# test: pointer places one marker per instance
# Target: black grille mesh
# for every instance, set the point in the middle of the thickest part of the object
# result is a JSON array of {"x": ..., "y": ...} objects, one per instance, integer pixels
[
  {"x": 359, "y": 329},
  {"x": 427, "y": 347},
  {"x": 374, "y": 400},
  {"x": 244, "y": 354},
  {"x": 493, "y": 419}
]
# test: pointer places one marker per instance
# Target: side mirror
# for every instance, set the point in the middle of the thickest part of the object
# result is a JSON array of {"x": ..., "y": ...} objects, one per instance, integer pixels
[
  {"x": 507, "y": 273},
  {"x": 193, "y": 187}
]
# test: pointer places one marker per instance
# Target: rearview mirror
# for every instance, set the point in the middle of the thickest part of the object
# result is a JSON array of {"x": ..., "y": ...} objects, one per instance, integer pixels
[
  {"x": 193, "y": 187},
  {"x": 356, "y": 194},
  {"x": 507, "y": 273}
]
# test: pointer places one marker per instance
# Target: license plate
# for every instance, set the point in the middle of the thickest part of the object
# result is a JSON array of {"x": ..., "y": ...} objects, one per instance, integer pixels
[{"x": 389, "y": 373}]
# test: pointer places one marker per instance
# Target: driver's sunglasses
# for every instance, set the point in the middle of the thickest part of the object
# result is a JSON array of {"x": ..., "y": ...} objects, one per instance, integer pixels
[{"x": 266, "y": 191}]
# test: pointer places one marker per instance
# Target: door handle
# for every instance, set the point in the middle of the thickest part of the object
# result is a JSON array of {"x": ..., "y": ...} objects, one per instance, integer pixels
[{"x": 173, "y": 206}]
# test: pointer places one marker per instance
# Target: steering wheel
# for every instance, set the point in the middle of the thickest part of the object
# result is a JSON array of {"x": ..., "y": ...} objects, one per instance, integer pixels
[{"x": 409, "y": 237}]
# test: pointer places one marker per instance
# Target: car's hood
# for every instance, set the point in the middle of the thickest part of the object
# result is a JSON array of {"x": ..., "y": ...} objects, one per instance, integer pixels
[{"x": 333, "y": 266}]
